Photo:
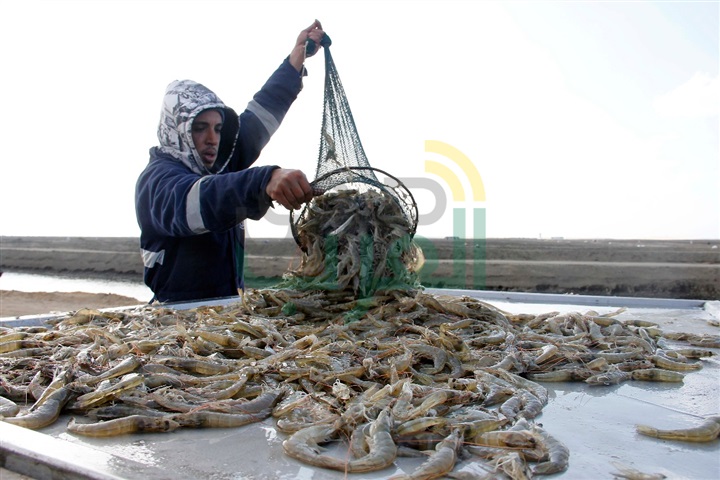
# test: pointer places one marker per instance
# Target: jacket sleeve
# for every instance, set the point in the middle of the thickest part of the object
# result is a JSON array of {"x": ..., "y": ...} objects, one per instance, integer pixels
[
  {"x": 171, "y": 201},
  {"x": 264, "y": 113}
]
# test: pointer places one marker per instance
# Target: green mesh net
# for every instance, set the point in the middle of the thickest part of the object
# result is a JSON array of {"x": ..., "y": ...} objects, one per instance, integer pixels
[{"x": 357, "y": 233}]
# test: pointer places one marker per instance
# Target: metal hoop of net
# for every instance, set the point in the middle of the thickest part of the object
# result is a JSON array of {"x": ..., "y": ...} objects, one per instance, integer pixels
[{"x": 361, "y": 180}]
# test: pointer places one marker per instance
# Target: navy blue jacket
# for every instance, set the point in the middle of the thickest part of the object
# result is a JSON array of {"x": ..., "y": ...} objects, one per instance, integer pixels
[{"x": 191, "y": 219}]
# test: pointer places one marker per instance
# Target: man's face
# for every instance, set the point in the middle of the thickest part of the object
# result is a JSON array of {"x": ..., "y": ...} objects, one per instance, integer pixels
[{"x": 206, "y": 135}]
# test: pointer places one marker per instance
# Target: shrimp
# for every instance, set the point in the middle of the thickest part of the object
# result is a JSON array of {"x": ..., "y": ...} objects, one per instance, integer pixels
[
  {"x": 639, "y": 323},
  {"x": 611, "y": 377},
  {"x": 449, "y": 305},
  {"x": 123, "y": 410},
  {"x": 663, "y": 361},
  {"x": 195, "y": 366},
  {"x": 382, "y": 446},
  {"x": 46, "y": 413},
  {"x": 632, "y": 474},
  {"x": 418, "y": 444},
  {"x": 547, "y": 352},
  {"x": 289, "y": 404},
  {"x": 11, "y": 337},
  {"x": 657, "y": 375},
  {"x": 13, "y": 392},
  {"x": 358, "y": 441},
  {"x": 209, "y": 419},
  {"x": 218, "y": 338},
  {"x": 707, "y": 431},
  {"x": 564, "y": 375},
  {"x": 170, "y": 399},
  {"x": 439, "y": 463},
  {"x": 617, "y": 357},
  {"x": 438, "y": 356},
  {"x": 558, "y": 454},
  {"x": 402, "y": 409},
  {"x": 705, "y": 341},
  {"x": 692, "y": 352},
  {"x": 597, "y": 364},
  {"x": 36, "y": 388},
  {"x": 8, "y": 408},
  {"x": 477, "y": 427},
  {"x": 420, "y": 425},
  {"x": 495, "y": 338},
  {"x": 511, "y": 407},
  {"x": 532, "y": 407},
  {"x": 512, "y": 464},
  {"x": 497, "y": 394},
  {"x": 507, "y": 439},
  {"x": 602, "y": 321},
  {"x": 304, "y": 445},
  {"x": 230, "y": 391},
  {"x": 123, "y": 426},
  {"x": 129, "y": 382},
  {"x": 128, "y": 365},
  {"x": 431, "y": 401},
  {"x": 59, "y": 381},
  {"x": 519, "y": 382},
  {"x": 15, "y": 345},
  {"x": 262, "y": 402},
  {"x": 37, "y": 352}
]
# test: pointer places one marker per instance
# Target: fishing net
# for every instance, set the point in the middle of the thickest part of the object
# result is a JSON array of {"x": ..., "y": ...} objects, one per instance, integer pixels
[
  {"x": 342, "y": 162},
  {"x": 357, "y": 231}
]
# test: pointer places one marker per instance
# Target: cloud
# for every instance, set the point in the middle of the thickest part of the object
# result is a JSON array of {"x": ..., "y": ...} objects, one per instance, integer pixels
[{"x": 698, "y": 97}]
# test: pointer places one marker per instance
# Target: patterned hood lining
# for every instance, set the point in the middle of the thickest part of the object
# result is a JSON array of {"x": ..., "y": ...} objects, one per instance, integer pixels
[{"x": 184, "y": 100}]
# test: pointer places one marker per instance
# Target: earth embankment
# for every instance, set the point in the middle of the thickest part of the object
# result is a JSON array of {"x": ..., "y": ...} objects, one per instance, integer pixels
[{"x": 648, "y": 268}]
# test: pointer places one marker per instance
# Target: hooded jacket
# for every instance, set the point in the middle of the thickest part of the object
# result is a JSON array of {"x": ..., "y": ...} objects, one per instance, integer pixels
[{"x": 191, "y": 218}]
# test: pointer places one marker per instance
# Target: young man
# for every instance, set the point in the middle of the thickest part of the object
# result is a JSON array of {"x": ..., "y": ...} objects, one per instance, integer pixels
[{"x": 194, "y": 195}]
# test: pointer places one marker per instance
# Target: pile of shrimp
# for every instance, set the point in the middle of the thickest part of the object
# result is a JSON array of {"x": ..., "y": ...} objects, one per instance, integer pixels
[
  {"x": 447, "y": 378},
  {"x": 356, "y": 241}
]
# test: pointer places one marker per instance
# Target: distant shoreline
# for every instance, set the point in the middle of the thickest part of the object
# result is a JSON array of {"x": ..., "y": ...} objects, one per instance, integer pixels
[{"x": 648, "y": 268}]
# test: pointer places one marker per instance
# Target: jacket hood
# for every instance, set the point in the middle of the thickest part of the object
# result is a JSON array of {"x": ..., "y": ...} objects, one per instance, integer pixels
[{"x": 184, "y": 100}]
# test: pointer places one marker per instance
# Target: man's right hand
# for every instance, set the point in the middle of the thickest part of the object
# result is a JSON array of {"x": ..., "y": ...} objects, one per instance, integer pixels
[
  {"x": 290, "y": 188},
  {"x": 313, "y": 33}
]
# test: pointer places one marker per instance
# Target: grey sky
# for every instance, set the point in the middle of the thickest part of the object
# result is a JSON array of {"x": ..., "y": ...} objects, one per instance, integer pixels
[{"x": 584, "y": 119}]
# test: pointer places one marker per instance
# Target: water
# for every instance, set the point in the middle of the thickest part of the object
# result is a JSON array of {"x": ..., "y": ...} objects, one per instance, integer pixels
[{"x": 30, "y": 282}]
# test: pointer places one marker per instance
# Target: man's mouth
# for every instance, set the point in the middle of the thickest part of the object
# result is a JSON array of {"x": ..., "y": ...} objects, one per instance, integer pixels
[{"x": 209, "y": 156}]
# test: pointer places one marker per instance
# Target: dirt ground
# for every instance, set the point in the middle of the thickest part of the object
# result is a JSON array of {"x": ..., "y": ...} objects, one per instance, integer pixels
[{"x": 14, "y": 303}]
